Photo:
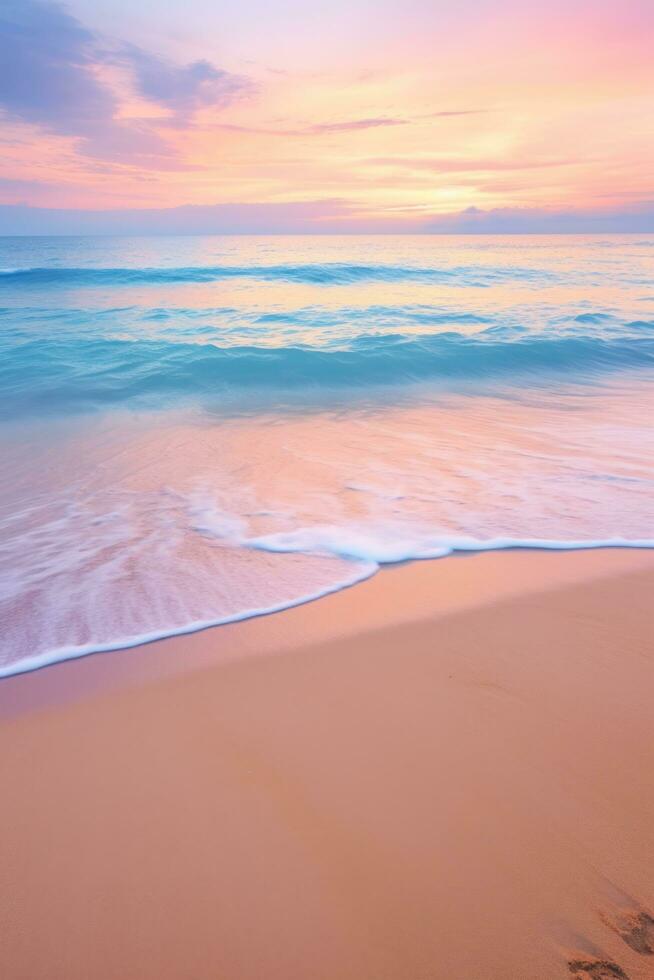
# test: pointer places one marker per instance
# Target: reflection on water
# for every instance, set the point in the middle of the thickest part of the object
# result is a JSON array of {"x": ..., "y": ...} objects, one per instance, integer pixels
[{"x": 184, "y": 452}]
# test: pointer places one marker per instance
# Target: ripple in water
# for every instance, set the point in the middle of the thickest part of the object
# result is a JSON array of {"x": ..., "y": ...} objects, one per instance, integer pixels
[{"x": 185, "y": 445}]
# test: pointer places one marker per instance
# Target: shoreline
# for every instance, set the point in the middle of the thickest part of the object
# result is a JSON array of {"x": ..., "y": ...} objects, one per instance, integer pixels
[
  {"x": 531, "y": 569},
  {"x": 61, "y": 655},
  {"x": 443, "y": 773}
]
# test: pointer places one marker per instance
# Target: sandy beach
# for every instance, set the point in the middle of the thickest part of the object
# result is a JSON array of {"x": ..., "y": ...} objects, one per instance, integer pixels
[
  {"x": 444, "y": 773},
  {"x": 326, "y": 490}
]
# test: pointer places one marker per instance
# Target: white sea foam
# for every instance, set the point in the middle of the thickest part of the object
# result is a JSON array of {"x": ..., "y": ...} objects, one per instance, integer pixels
[
  {"x": 60, "y": 654},
  {"x": 366, "y": 551},
  {"x": 344, "y": 542},
  {"x": 170, "y": 465}
]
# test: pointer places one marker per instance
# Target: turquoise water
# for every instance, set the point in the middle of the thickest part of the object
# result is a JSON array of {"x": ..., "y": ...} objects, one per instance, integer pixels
[{"x": 194, "y": 430}]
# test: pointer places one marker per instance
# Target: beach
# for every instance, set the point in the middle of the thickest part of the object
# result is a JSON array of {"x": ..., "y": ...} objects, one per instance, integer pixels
[
  {"x": 442, "y": 773},
  {"x": 195, "y": 430},
  {"x": 326, "y": 490}
]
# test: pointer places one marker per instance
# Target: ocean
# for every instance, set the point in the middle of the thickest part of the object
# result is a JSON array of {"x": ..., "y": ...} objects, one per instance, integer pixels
[{"x": 196, "y": 430}]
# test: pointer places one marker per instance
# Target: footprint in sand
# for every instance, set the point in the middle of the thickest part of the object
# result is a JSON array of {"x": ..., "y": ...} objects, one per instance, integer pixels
[
  {"x": 593, "y": 969},
  {"x": 635, "y": 927}
]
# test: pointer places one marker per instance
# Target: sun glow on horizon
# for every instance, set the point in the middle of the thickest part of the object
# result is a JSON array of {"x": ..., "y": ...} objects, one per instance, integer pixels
[{"x": 381, "y": 112}]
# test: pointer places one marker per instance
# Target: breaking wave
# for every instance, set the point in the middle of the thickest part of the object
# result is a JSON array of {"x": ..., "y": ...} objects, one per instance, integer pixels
[
  {"x": 86, "y": 373},
  {"x": 168, "y": 465}
]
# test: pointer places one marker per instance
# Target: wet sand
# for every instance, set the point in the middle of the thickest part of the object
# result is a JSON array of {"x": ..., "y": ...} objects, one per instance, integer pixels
[{"x": 445, "y": 773}]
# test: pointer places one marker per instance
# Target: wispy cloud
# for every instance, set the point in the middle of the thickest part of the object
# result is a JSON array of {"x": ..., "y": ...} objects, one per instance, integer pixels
[
  {"x": 182, "y": 89},
  {"x": 465, "y": 165},
  {"x": 46, "y": 73},
  {"x": 446, "y": 113},
  {"x": 317, "y": 129},
  {"x": 354, "y": 124},
  {"x": 50, "y": 77},
  {"x": 349, "y": 125}
]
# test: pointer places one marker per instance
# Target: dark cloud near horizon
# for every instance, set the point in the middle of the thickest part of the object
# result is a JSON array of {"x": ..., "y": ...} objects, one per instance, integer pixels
[
  {"x": 48, "y": 78},
  {"x": 316, "y": 217},
  {"x": 545, "y": 221},
  {"x": 192, "y": 219}
]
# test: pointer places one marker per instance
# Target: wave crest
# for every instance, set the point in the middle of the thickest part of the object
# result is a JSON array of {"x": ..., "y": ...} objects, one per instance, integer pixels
[
  {"x": 324, "y": 273},
  {"x": 83, "y": 373}
]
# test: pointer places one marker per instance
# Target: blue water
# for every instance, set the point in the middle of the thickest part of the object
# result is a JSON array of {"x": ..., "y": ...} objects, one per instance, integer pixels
[{"x": 197, "y": 429}]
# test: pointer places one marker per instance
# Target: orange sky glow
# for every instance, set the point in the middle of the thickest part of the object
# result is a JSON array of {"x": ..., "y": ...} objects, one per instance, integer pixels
[{"x": 384, "y": 111}]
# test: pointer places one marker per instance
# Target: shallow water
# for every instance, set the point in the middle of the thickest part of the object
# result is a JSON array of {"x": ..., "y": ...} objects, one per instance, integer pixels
[{"x": 197, "y": 429}]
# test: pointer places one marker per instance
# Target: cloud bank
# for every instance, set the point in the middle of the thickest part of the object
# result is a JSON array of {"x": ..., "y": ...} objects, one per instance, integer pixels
[{"x": 313, "y": 217}]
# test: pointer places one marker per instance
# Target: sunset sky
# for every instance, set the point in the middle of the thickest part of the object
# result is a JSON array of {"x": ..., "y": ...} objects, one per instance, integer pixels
[{"x": 394, "y": 114}]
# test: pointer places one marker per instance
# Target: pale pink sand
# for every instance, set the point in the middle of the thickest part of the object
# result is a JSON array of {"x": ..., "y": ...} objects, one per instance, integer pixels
[{"x": 443, "y": 774}]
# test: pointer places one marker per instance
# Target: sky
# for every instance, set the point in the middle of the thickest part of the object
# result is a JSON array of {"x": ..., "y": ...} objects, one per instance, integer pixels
[{"x": 352, "y": 115}]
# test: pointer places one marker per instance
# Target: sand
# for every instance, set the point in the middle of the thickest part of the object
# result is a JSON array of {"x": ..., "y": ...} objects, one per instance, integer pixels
[{"x": 445, "y": 773}]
